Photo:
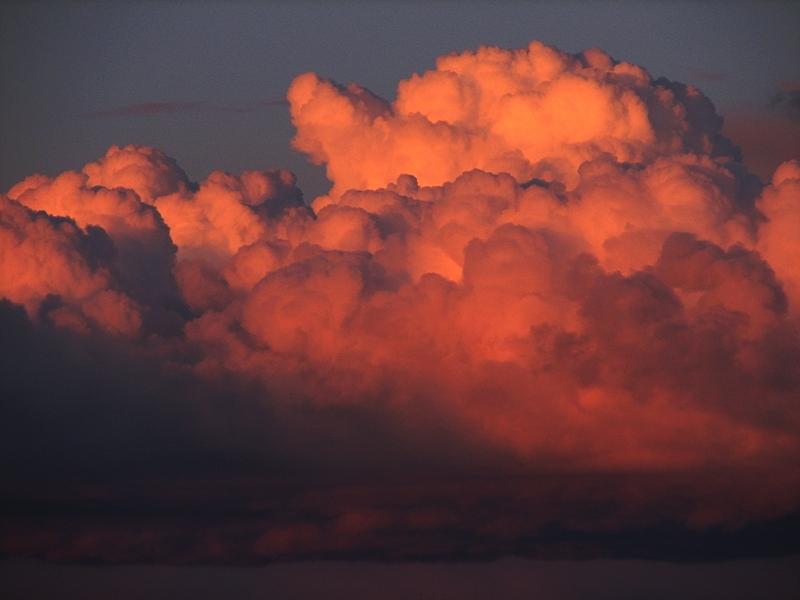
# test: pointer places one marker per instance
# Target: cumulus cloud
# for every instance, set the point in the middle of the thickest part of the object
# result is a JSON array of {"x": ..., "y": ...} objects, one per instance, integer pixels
[
  {"x": 51, "y": 266},
  {"x": 535, "y": 112},
  {"x": 143, "y": 250},
  {"x": 529, "y": 263},
  {"x": 778, "y": 240}
]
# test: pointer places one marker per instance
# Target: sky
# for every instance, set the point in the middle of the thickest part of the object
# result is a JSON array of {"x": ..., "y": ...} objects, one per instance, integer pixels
[
  {"x": 406, "y": 287},
  {"x": 65, "y": 62}
]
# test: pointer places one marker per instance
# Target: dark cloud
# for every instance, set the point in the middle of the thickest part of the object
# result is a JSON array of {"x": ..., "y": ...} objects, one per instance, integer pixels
[
  {"x": 786, "y": 102},
  {"x": 510, "y": 579}
]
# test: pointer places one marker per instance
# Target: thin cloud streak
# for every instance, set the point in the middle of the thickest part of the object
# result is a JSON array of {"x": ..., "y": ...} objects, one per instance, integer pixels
[{"x": 148, "y": 109}]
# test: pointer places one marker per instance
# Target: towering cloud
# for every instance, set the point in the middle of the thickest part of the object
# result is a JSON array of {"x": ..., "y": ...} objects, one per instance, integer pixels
[
  {"x": 529, "y": 263},
  {"x": 534, "y": 113}
]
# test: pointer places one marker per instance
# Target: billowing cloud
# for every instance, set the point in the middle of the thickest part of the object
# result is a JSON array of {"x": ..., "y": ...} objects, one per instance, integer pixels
[
  {"x": 143, "y": 250},
  {"x": 542, "y": 291},
  {"x": 778, "y": 241},
  {"x": 52, "y": 267},
  {"x": 535, "y": 112}
]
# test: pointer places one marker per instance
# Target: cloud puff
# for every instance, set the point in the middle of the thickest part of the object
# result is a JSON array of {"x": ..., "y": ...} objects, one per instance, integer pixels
[
  {"x": 226, "y": 212},
  {"x": 143, "y": 250},
  {"x": 210, "y": 220},
  {"x": 778, "y": 238},
  {"x": 51, "y": 266},
  {"x": 147, "y": 171},
  {"x": 530, "y": 262}
]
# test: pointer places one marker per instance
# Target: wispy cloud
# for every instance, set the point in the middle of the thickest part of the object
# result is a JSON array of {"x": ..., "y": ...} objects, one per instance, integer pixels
[
  {"x": 148, "y": 109},
  {"x": 786, "y": 101},
  {"x": 706, "y": 75}
]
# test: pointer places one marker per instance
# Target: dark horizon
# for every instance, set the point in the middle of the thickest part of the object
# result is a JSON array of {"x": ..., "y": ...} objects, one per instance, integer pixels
[{"x": 510, "y": 579}]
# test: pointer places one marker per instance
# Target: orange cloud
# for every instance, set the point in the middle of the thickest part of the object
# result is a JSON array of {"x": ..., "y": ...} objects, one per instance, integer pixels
[
  {"x": 52, "y": 267},
  {"x": 534, "y": 113},
  {"x": 778, "y": 238}
]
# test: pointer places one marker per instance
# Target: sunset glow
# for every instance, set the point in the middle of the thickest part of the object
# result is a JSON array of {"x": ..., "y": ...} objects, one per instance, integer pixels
[{"x": 544, "y": 307}]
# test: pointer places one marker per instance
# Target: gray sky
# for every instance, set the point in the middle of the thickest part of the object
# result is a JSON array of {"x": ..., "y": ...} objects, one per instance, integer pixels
[{"x": 61, "y": 62}]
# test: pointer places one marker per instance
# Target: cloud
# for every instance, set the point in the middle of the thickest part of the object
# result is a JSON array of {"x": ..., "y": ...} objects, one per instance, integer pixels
[
  {"x": 542, "y": 292},
  {"x": 534, "y": 113},
  {"x": 780, "y": 204},
  {"x": 52, "y": 267},
  {"x": 705, "y": 74},
  {"x": 142, "y": 248},
  {"x": 786, "y": 101},
  {"x": 148, "y": 109}
]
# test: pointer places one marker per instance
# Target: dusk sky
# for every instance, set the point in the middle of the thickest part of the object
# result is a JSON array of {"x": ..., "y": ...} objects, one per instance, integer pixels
[
  {"x": 454, "y": 300},
  {"x": 65, "y": 62}
]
